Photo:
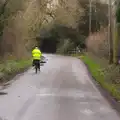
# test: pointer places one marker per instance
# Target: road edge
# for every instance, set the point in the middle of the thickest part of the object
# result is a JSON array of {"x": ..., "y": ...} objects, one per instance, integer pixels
[
  {"x": 13, "y": 77},
  {"x": 113, "y": 103}
]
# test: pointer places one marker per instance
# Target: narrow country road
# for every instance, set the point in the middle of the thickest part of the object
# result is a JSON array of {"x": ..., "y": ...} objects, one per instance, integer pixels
[{"x": 62, "y": 91}]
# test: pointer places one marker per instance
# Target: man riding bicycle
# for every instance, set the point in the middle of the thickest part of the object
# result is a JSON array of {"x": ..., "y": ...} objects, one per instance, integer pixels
[{"x": 36, "y": 54}]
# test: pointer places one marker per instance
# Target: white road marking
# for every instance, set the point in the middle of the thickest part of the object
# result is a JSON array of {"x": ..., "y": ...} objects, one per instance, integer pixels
[
  {"x": 105, "y": 109},
  {"x": 87, "y": 112},
  {"x": 58, "y": 95}
]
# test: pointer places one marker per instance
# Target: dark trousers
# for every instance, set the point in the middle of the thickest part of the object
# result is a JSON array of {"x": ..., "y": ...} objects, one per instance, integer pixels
[{"x": 36, "y": 62}]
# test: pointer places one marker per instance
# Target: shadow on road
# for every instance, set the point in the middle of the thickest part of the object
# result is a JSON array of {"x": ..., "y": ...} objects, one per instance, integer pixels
[{"x": 3, "y": 93}]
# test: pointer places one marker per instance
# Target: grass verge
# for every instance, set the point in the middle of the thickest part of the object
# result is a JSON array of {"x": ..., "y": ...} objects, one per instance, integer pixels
[
  {"x": 10, "y": 68},
  {"x": 97, "y": 72}
]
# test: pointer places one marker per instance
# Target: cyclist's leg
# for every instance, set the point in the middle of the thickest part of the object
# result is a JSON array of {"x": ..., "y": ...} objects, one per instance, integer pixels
[{"x": 39, "y": 65}]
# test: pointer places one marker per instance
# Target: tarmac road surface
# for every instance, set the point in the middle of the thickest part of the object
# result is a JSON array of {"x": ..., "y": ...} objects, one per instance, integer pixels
[{"x": 62, "y": 90}]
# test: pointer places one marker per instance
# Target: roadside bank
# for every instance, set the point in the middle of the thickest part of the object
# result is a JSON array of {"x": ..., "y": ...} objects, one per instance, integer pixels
[{"x": 106, "y": 77}]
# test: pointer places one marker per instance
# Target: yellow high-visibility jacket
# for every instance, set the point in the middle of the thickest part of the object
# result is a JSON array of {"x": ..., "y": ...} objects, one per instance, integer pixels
[{"x": 36, "y": 54}]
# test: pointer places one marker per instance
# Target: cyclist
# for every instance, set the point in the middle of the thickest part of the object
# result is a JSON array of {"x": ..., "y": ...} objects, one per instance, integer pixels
[{"x": 36, "y": 54}]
